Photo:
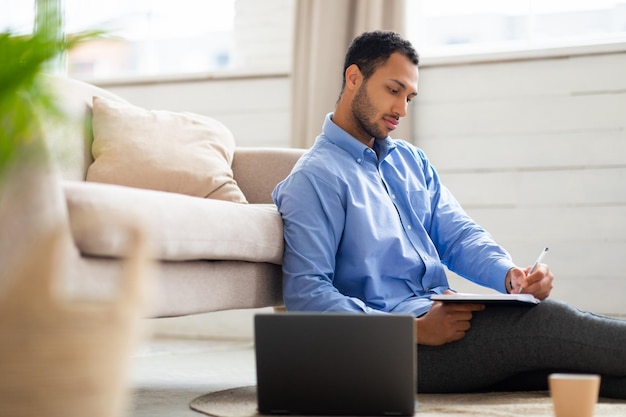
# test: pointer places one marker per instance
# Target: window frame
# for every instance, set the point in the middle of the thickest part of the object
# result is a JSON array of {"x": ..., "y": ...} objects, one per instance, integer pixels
[
  {"x": 618, "y": 46},
  {"x": 554, "y": 49}
]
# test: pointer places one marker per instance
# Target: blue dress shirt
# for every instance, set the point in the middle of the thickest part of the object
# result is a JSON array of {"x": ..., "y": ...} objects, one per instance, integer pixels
[{"x": 370, "y": 230}]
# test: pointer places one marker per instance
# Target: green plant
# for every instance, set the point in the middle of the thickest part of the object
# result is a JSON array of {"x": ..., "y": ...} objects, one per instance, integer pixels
[{"x": 24, "y": 97}]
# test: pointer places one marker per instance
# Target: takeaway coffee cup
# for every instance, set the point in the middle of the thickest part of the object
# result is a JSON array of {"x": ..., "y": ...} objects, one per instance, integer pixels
[{"x": 574, "y": 395}]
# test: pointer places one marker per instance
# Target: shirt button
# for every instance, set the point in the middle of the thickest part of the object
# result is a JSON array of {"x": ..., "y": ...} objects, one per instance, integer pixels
[
  {"x": 358, "y": 160},
  {"x": 393, "y": 196},
  {"x": 409, "y": 227}
]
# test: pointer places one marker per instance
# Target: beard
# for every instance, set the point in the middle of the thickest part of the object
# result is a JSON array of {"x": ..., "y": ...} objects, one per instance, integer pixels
[{"x": 364, "y": 114}]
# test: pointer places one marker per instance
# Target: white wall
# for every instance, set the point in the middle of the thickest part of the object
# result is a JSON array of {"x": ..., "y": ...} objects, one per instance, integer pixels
[
  {"x": 535, "y": 150},
  {"x": 256, "y": 110}
]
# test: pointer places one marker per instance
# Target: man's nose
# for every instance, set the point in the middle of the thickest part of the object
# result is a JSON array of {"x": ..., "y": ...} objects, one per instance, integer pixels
[{"x": 400, "y": 107}]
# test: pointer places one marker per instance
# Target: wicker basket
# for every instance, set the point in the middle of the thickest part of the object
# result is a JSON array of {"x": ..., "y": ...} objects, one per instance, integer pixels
[{"x": 62, "y": 357}]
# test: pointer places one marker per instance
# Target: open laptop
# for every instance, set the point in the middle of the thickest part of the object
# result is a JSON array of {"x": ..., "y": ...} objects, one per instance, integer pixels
[{"x": 335, "y": 364}]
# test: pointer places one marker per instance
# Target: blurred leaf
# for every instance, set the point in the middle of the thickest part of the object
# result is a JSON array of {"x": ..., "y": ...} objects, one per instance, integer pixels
[{"x": 24, "y": 99}]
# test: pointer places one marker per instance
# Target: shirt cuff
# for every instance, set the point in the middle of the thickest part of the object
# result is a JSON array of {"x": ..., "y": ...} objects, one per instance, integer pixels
[{"x": 497, "y": 274}]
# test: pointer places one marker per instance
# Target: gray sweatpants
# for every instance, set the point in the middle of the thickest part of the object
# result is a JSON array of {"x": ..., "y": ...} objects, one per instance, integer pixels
[{"x": 515, "y": 348}]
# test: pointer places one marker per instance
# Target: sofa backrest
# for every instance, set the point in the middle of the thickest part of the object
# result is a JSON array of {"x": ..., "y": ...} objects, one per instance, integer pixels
[{"x": 256, "y": 170}]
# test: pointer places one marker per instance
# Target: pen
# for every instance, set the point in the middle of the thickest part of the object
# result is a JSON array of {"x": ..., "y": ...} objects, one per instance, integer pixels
[{"x": 537, "y": 262}]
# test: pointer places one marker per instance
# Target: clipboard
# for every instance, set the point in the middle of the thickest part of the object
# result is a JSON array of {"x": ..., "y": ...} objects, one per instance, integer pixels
[{"x": 503, "y": 299}]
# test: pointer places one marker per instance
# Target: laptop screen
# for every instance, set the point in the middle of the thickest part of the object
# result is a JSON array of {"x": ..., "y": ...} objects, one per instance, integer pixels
[{"x": 335, "y": 364}]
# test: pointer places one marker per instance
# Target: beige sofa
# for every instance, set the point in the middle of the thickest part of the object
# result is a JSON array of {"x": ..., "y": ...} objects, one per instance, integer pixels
[{"x": 212, "y": 254}]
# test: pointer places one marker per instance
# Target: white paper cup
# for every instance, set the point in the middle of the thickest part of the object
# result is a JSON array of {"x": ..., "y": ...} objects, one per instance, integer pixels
[{"x": 574, "y": 395}]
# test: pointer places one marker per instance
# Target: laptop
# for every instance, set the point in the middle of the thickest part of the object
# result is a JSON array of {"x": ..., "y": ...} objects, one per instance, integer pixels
[{"x": 335, "y": 364}]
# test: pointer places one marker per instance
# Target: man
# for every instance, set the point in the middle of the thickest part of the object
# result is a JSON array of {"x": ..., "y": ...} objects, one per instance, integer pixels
[{"x": 369, "y": 228}]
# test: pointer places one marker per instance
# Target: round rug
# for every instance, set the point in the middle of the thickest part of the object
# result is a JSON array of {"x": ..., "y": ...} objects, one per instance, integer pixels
[
  {"x": 236, "y": 402},
  {"x": 241, "y": 402}
]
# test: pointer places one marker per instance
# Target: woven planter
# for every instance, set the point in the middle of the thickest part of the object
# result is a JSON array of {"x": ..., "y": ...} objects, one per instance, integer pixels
[{"x": 63, "y": 357}]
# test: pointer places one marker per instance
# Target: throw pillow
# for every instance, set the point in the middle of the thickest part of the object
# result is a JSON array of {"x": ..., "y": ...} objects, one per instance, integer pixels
[{"x": 182, "y": 153}]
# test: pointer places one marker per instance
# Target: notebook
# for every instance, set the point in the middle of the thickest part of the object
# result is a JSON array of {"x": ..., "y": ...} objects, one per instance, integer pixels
[{"x": 335, "y": 364}]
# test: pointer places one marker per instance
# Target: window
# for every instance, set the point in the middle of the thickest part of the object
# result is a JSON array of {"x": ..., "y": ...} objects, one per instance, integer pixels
[
  {"x": 149, "y": 38},
  {"x": 157, "y": 38},
  {"x": 449, "y": 27},
  {"x": 17, "y": 16}
]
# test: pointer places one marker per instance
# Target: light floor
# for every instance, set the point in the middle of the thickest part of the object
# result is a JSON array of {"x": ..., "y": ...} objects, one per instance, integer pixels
[
  {"x": 169, "y": 371},
  {"x": 190, "y": 356}
]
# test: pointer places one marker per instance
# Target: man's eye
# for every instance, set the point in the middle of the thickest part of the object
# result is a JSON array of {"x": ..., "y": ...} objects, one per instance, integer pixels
[{"x": 393, "y": 91}]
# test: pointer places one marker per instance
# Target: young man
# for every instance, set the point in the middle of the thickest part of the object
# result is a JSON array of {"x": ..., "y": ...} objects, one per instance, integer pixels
[{"x": 369, "y": 227}]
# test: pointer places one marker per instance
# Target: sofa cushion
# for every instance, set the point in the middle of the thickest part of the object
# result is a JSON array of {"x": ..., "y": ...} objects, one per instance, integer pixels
[
  {"x": 183, "y": 227},
  {"x": 162, "y": 150}
]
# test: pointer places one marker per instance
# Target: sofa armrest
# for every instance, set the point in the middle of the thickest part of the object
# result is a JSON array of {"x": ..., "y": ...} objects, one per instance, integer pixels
[{"x": 258, "y": 170}]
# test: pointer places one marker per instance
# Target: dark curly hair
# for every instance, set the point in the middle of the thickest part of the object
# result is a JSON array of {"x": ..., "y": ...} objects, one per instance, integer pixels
[{"x": 370, "y": 50}]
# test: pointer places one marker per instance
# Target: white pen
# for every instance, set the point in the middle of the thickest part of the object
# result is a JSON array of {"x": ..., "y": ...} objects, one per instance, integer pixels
[{"x": 537, "y": 262}]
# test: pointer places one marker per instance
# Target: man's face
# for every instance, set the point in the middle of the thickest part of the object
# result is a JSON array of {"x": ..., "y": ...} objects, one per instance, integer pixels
[{"x": 382, "y": 100}]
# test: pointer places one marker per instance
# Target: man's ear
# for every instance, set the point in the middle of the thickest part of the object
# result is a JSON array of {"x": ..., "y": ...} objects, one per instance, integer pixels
[{"x": 354, "y": 77}]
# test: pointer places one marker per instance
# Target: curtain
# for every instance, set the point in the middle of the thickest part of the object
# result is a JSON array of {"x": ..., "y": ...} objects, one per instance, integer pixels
[{"x": 323, "y": 32}]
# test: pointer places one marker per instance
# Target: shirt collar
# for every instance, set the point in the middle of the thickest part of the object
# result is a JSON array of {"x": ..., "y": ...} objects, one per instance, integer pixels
[{"x": 352, "y": 145}]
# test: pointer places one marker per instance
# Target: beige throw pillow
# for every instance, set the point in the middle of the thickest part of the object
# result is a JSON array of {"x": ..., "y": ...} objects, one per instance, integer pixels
[{"x": 161, "y": 150}]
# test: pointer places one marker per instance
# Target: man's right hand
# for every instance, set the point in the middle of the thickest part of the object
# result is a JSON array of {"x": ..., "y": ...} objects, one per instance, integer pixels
[{"x": 445, "y": 322}]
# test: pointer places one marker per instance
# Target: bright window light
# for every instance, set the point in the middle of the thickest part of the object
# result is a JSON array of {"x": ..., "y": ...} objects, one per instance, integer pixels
[
  {"x": 451, "y": 27},
  {"x": 17, "y": 16},
  {"x": 151, "y": 37}
]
